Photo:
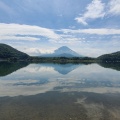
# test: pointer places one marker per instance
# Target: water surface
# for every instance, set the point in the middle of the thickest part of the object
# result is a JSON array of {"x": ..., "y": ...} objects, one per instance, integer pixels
[{"x": 49, "y": 91}]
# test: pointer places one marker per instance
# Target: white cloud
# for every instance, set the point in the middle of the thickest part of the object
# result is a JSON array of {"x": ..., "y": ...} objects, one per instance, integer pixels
[
  {"x": 97, "y": 9},
  {"x": 9, "y": 31},
  {"x": 72, "y": 40},
  {"x": 78, "y": 38},
  {"x": 114, "y": 7},
  {"x": 102, "y": 31},
  {"x": 37, "y": 51},
  {"x": 94, "y": 10},
  {"x": 92, "y": 51},
  {"x": 32, "y": 51},
  {"x": 29, "y": 33},
  {"x": 8, "y": 37}
]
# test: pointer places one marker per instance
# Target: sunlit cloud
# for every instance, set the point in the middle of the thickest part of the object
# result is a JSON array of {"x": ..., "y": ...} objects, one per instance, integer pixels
[
  {"x": 14, "y": 30},
  {"x": 101, "y": 31},
  {"x": 90, "y": 42},
  {"x": 97, "y": 9},
  {"x": 38, "y": 51},
  {"x": 114, "y": 7},
  {"x": 94, "y": 10},
  {"x": 18, "y": 38}
]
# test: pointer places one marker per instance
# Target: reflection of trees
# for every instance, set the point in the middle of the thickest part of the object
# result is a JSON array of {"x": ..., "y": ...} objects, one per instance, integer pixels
[
  {"x": 8, "y": 67},
  {"x": 115, "y": 66}
]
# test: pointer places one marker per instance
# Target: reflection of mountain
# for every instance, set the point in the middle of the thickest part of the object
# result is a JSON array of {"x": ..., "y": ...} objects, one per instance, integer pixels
[
  {"x": 65, "y": 68},
  {"x": 61, "y": 68},
  {"x": 8, "y": 67},
  {"x": 115, "y": 66},
  {"x": 40, "y": 78}
]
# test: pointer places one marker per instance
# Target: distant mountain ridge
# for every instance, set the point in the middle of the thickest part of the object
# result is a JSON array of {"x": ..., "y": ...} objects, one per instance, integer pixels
[
  {"x": 63, "y": 51},
  {"x": 62, "y": 54}
]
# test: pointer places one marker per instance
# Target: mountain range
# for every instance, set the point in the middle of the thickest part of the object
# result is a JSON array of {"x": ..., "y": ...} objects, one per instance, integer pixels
[{"x": 9, "y": 53}]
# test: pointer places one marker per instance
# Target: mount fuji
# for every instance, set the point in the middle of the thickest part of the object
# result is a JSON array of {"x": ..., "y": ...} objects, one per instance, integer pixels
[{"x": 63, "y": 51}]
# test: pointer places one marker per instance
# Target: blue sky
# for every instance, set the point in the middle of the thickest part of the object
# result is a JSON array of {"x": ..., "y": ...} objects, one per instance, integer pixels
[{"x": 90, "y": 27}]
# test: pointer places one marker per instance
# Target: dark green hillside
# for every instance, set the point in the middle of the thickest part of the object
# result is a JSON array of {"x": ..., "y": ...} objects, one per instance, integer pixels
[
  {"x": 113, "y": 57},
  {"x": 8, "y": 52}
]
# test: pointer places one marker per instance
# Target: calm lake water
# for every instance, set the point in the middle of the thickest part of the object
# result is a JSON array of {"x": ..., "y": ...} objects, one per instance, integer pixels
[{"x": 49, "y": 91}]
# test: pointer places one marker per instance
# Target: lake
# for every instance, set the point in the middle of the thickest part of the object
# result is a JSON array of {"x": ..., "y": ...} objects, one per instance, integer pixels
[{"x": 47, "y": 91}]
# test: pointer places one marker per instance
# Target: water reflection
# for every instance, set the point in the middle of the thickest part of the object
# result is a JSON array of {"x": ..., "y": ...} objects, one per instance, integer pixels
[
  {"x": 65, "y": 68},
  {"x": 59, "y": 92},
  {"x": 115, "y": 66},
  {"x": 44, "y": 77},
  {"x": 8, "y": 67},
  {"x": 61, "y": 106}
]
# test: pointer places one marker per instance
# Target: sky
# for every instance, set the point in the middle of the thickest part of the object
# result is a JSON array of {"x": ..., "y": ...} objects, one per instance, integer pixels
[{"x": 89, "y": 27}]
